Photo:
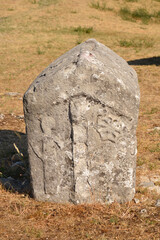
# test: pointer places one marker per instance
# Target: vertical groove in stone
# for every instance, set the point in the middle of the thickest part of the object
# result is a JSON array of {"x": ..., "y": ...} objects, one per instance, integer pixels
[
  {"x": 72, "y": 149},
  {"x": 43, "y": 167},
  {"x": 87, "y": 164},
  {"x": 44, "y": 175}
]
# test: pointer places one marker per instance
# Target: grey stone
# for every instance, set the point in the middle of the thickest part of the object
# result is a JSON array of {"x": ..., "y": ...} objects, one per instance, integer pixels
[
  {"x": 136, "y": 200},
  {"x": 20, "y": 117},
  {"x": 13, "y": 94},
  {"x": 147, "y": 184},
  {"x": 157, "y": 128},
  {"x": 2, "y": 116},
  {"x": 143, "y": 211},
  {"x": 81, "y": 115},
  {"x": 157, "y": 203}
]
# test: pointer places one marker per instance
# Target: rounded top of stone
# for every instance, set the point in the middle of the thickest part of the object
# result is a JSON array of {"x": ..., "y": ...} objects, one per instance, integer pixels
[{"x": 90, "y": 69}]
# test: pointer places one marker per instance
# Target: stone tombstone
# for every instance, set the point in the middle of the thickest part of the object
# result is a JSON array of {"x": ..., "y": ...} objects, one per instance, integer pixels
[{"x": 81, "y": 115}]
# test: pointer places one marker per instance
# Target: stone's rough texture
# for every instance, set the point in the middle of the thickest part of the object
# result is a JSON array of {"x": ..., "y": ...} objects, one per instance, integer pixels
[{"x": 81, "y": 116}]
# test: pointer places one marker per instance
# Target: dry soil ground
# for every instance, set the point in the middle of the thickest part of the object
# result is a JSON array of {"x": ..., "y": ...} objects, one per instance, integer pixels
[{"x": 33, "y": 33}]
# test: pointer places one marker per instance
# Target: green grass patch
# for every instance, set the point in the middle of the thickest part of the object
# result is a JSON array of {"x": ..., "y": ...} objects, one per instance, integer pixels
[
  {"x": 5, "y": 25},
  {"x": 125, "y": 43},
  {"x": 78, "y": 42},
  {"x": 10, "y": 9},
  {"x": 33, "y": 233},
  {"x": 95, "y": 17},
  {"x": 95, "y": 221},
  {"x": 136, "y": 43},
  {"x": 140, "y": 161},
  {"x": 155, "y": 148},
  {"x": 114, "y": 220},
  {"x": 43, "y": 2},
  {"x": 152, "y": 111},
  {"x": 39, "y": 51},
  {"x": 47, "y": 2},
  {"x": 74, "y": 11},
  {"x": 86, "y": 30},
  {"x": 152, "y": 166},
  {"x": 138, "y": 14},
  {"x": 99, "y": 5},
  {"x": 157, "y": 14},
  {"x": 154, "y": 132},
  {"x": 141, "y": 14},
  {"x": 150, "y": 222},
  {"x": 131, "y": 0},
  {"x": 33, "y": 1},
  {"x": 126, "y": 14}
]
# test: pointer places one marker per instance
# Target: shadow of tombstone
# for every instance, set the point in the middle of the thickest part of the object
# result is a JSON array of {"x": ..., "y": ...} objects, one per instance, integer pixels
[
  {"x": 14, "y": 167},
  {"x": 146, "y": 61}
]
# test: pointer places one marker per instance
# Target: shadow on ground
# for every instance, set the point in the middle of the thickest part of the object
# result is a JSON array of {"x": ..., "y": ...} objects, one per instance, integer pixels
[
  {"x": 14, "y": 169},
  {"x": 146, "y": 61}
]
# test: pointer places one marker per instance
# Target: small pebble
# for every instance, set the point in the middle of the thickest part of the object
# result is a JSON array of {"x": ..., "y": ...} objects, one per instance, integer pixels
[
  {"x": 147, "y": 184},
  {"x": 20, "y": 116},
  {"x": 157, "y": 203},
  {"x": 12, "y": 94},
  {"x": 2, "y": 116},
  {"x": 136, "y": 200},
  {"x": 157, "y": 128},
  {"x": 143, "y": 211}
]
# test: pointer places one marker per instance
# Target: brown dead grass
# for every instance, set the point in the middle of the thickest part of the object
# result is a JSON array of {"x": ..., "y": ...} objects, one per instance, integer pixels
[
  {"x": 25, "y": 218},
  {"x": 31, "y": 37}
]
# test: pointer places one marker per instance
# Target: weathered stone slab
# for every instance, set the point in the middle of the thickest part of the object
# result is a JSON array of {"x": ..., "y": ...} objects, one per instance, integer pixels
[{"x": 81, "y": 115}]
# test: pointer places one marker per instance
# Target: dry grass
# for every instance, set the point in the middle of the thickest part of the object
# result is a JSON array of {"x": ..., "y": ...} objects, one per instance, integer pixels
[
  {"x": 33, "y": 33},
  {"x": 25, "y": 218}
]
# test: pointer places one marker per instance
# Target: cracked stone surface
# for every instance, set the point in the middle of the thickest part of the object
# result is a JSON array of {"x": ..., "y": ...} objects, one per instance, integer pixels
[{"x": 81, "y": 115}]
